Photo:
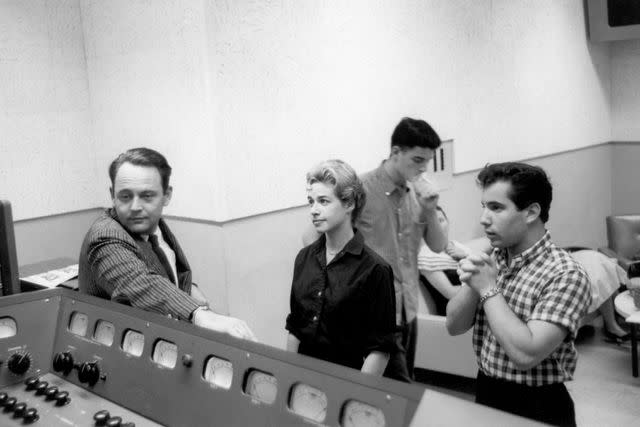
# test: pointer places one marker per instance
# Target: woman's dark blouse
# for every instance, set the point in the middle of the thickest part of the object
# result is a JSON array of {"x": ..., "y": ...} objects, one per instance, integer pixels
[{"x": 343, "y": 311}]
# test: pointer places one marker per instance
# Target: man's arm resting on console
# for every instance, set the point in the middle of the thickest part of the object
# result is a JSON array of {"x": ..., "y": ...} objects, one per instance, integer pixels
[
  {"x": 119, "y": 272},
  {"x": 198, "y": 295},
  {"x": 207, "y": 319},
  {"x": 461, "y": 310}
]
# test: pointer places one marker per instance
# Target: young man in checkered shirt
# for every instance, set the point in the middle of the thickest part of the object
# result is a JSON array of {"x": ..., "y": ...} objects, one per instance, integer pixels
[{"x": 524, "y": 301}]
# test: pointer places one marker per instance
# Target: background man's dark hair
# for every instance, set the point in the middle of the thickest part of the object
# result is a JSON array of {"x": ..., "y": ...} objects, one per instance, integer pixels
[
  {"x": 529, "y": 184},
  {"x": 411, "y": 133},
  {"x": 142, "y": 157}
]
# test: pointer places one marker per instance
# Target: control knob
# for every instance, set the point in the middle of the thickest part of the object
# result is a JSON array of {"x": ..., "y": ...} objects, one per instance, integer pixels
[
  {"x": 63, "y": 362},
  {"x": 19, "y": 409},
  {"x": 30, "y": 415},
  {"x": 19, "y": 362},
  {"x": 101, "y": 417},
  {"x": 10, "y": 403},
  {"x": 50, "y": 392},
  {"x": 89, "y": 372},
  {"x": 62, "y": 398},
  {"x": 41, "y": 387},
  {"x": 31, "y": 382},
  {"x": 114, "y": 422}
]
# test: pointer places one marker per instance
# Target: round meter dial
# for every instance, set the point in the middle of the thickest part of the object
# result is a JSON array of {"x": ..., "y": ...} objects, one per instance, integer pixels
[
  {"x": 262, "y": 386},
  {"x": 78, "y": 323},
  {"x": 308, "y": 402},
  {"x": 218, "y": 372},
  {"x": 358, "y": 414},
  {"x": 165, "y": 353},
  {"x": 104, "y": 332},
  {"x": 133, "y": 343},
  {"x": 8, "y": 327}
]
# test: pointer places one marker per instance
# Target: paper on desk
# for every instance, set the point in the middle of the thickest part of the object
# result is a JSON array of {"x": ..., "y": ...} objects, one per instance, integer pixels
[{"x": 53, "y": 278}]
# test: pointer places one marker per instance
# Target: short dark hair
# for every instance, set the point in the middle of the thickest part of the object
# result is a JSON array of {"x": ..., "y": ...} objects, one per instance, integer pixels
[
  {"x": 529, "y": 184},
  {"x": 142, "y": 157},
  {"x": 347, "y": 186},
  {"x": 411, "y": 133}
]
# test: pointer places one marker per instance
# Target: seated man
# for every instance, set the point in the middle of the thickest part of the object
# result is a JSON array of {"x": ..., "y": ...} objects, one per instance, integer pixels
[{"x": 129, "y": 254}]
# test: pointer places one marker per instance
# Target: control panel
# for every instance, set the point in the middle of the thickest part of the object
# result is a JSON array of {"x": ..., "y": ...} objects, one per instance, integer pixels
[{"x": 70, "y": 359}]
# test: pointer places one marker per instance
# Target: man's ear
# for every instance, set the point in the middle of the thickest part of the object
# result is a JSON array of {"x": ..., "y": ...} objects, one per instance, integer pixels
[
  {"x": 532, "y": 212},
  {"x": 167, "y": 196},
  {"x": 113, "y": 196},
  {"x": 394, "y": 150}
]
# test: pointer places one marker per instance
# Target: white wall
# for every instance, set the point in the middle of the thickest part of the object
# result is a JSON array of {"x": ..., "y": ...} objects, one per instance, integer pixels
[
  {"x": 625, "y": 178},
  {"x": 147, "y": 69},
  {"x": 625, "y": 90},
  {"x": 259, "y": 251},
  {"x": 245, "y": 96},
  {"x": 57, "y": 236},
  {"x": 47, "y": 164}
]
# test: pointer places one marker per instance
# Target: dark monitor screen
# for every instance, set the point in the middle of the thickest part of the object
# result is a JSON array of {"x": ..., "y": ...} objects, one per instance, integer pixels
[
  {"x": 9, "y": 275},
  {"x": 622, "y": 13}
]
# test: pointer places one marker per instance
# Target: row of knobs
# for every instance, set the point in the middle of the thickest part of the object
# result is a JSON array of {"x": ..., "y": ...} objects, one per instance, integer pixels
[
  {"x": 9, "y": 404},
  {"x": 88, "y": 372},
  {"x": 42, "y": 388}
]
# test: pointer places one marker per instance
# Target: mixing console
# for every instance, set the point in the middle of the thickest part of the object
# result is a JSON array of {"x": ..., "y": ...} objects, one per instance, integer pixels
[{"x": 67, "y": 359}]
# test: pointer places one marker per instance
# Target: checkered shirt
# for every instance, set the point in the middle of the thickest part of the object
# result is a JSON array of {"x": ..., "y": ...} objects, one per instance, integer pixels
[{"x": 542, "y": 283}]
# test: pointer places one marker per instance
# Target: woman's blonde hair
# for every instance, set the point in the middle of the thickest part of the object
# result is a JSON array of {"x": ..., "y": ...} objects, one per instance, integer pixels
[{"x": 347, "y": 186}]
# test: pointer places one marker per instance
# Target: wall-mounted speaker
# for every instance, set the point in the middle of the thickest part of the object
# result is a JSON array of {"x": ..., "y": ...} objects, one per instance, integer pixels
[{"x": 613, "y": 19}]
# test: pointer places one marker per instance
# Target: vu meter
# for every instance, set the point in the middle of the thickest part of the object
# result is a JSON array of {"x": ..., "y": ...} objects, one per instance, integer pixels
[
  {"x": 218, "y": 372},
  {"x": 308, "y": 402},
  {"x": 358, "y": 414},
  {"x": 165, "y": 353},
  {"x": 78, "y": 323},
  {"x": 8, "y": 327},
  {"x": 133, "y": 342},
  {"x": 104, "y": 332},
  {"x": 262, "y": 386}
]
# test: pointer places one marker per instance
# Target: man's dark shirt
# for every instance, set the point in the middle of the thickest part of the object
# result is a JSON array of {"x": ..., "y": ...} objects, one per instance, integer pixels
[{"x": 343, "y": 311}]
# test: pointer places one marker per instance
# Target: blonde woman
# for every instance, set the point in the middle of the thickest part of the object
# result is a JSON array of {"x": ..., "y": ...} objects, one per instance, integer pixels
[{"x": 342, "y": 295}]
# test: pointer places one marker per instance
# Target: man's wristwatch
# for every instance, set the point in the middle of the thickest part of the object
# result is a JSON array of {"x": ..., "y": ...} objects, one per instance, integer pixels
[{"x": 488, "y": 294}]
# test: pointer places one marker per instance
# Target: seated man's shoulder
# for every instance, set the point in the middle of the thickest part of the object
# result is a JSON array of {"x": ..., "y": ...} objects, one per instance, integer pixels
[{"x": 107, "y": 227}]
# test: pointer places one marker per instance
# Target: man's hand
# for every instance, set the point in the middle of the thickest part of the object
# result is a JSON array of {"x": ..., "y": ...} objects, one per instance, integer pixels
[
  {"x": 426, "y": 194},
  {"x": 228, "y": 325},
  {"x": 479, "y": 272}
]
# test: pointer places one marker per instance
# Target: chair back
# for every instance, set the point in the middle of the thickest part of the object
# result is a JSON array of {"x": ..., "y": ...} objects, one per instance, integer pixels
[{"x": 623, "y": 234}]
